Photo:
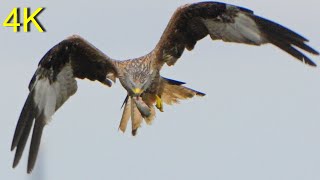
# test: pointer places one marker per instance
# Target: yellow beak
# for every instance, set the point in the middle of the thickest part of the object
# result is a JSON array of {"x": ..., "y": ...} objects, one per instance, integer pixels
[{"x": 137, "y": 90}]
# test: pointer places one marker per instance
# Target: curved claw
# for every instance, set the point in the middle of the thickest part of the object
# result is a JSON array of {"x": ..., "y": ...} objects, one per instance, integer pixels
[{"x": 159, "y": 104}]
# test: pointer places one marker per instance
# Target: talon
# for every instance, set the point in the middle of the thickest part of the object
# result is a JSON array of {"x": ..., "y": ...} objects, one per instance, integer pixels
[{"x": 159, "y": 103}]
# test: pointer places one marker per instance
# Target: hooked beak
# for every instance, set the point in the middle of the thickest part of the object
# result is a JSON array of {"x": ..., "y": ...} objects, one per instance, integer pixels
[{"x": 137, "y": 91}]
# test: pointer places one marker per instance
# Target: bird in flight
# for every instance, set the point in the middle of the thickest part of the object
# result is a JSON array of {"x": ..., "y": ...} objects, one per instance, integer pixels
[{"x": 74, "y": 58}]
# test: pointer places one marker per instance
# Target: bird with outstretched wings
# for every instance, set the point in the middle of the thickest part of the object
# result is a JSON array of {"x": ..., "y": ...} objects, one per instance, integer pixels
[{"x": 55, "y": 78}]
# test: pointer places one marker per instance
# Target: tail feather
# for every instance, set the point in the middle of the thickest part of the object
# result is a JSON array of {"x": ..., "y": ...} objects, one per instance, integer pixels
[
  {"x": 136, "y": 118},
  {"x": 136, "y": 109},
  {"x": 126, "y": 114},
  {"x": 131, "y": 111},
  {"x": 173, "y": 92}
]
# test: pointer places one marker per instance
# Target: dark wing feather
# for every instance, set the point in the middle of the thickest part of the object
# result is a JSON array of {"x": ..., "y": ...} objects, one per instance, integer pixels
[
  {"x": 285, "y": 39},
  {"x": 229, "y": 23},
  {"x": 40, "y": 122},
  {"x": 53, "y": 83},
  {"x": 23, "y": 128}
]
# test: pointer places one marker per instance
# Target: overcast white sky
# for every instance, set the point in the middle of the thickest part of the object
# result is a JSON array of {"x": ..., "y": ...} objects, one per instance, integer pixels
[{"x": 259, "y": 120}]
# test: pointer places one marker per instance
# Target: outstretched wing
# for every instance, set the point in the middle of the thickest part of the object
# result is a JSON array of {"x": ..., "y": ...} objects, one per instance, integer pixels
[
  {"x": 228, "y": 23},
  {"x": 53, "y": 83}
]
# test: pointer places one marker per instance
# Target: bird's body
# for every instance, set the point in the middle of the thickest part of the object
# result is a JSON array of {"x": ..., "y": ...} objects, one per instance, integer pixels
[{"x": 55, "y": 78}]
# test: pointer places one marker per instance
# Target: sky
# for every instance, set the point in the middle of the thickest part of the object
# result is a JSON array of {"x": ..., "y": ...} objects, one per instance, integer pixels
[{"x": 259, "y": 120}]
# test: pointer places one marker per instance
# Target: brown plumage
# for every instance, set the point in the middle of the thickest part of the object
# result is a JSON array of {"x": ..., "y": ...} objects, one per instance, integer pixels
[{"x": 55, "y": 78}]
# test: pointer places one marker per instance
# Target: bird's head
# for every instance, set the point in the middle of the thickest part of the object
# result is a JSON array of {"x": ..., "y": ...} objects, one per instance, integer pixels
[{"x": 137, "y": 83}]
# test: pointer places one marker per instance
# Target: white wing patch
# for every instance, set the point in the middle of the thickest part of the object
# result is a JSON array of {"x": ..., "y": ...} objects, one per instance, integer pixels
[
  {"x": 66, "y": 84},
  {"x": 45, "y": 97},
  {"x": 50, "y": 96},
  {"x": 242, "y": 30}
]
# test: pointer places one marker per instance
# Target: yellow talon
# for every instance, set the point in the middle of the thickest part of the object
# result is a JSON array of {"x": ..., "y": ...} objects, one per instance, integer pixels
[{"x": 159, "y": 103}]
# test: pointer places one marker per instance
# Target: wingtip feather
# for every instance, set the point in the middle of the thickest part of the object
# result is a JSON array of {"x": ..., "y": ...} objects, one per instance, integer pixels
[
  {"x": 26, "y": 117},
  {"x": 35, "y": 141}
]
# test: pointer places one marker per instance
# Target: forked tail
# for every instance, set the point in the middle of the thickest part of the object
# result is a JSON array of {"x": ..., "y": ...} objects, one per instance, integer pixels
[{"x": 169, "y": 92}]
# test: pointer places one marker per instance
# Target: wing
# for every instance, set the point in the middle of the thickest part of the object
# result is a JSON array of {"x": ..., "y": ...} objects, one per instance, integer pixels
[
  {"x": 53, "y": 83},
  {"x": 228, "y": 23}
]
